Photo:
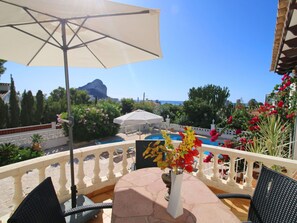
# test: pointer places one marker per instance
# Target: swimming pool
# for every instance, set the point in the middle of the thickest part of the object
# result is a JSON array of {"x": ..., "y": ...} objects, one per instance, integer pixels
[{"x": 178, "y": 137}]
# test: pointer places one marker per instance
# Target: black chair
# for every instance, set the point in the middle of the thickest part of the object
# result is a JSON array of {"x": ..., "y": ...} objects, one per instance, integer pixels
[
  {"x": 274, "y": 199},
  {"x": 141, "y": 146},
  {"x": 41, "y": 205}
]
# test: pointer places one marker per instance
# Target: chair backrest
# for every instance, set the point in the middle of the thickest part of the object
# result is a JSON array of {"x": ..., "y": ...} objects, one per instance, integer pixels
[
  {"x": 274, "y": 199},
  {"x": 41, "y": 205},
  {"x": 141, "y": 146}
]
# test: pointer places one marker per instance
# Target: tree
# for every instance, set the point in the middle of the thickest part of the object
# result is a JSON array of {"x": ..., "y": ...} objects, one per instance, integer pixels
[
  {"x": 206, "y": 104},
  {"x": 2, "y": 68},
  {"x": 79, "y": 97},
  {"x": 127, "y": 105},
  {"x": 199, "y": 113},
  {"x": 252, "y": 104},
  {"x": 4, "y": 114},
  {"x": 14, "y": 109},
  {"x": 24, "y": 110},
  {"x": 27, "y": 109},
  {"x": 148, "y": 106},
  {"x": 39, "y": 107}
]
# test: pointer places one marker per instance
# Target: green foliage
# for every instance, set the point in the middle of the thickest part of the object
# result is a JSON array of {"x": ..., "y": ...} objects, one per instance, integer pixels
[
  {"x": 272, "y": 137},
  {"x": 14, "y": 109},
  {"x": 199, "y": 113},
  {"x": 240, "y": 119},
  {"x": 37, "y": 138},
  {"x": 57, "y": 102},
  {"x": 252, "y": 104},
  {"x": 2, "y": 68},
  {"x": 11, "y": 153},
  {"x": 27, "y": 109},
  {"x": 39, "y": 107},
  {"x": 148, "y": 106},
  {"x": 79, "y": 97},
  {"x": 4, "y": 114},
  {"x": 205, "y": 104},
  {"x": 93, "y": 122},
  {"x": 127, "y": 105},
  {"x": 175, "y": 112}
]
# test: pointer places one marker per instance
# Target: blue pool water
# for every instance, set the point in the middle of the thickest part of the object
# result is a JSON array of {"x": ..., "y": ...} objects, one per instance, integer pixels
[
  {"x": 178, "y": 137},
  {"x": 108, "y": 141}
]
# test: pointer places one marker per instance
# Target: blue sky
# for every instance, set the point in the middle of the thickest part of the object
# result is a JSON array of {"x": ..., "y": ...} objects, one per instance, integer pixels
[{"x": 225, "y": 43}]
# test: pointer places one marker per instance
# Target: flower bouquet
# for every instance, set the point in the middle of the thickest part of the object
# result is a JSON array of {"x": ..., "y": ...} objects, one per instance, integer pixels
[{"x": 177, "y": 159}]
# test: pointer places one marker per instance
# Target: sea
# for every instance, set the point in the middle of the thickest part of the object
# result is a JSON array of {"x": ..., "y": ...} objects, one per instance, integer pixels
[{"x": 171, "y": 102}]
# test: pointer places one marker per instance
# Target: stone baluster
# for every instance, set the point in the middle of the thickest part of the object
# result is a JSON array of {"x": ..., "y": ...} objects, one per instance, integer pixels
[
  {"x": 96, "y": 178},
  {"x": 63, "y": 180},
  {"x": 200, "y": 164},
  {"x": 80, "y": 174},
  {"x": 249, "y": 175},
  {"x": 18, "y": 190},
  {"x": 231, "y": 181},
  {"x": 124, "y": 162},
  {"x": 215, "y": 167},
  {"x": 111, "y": 164}
]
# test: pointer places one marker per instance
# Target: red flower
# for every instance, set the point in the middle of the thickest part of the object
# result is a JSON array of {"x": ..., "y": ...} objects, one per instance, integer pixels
[
  {"x": 215, "y": 137},
  {"x": 273, "y": 112},
  {"x": 207, "y": 159},
  {"x": 291, "y": 115},
  {"x": 189, "y": 168},
  {"x": 238, "y": 131},
  {"x": 280, "y": 104},
  {"x": 182, "y": 135},
  {"x": 243, "y": 140},
  {"x": 212, "y": 132},
  {"x": 229, "y": 120},
  {"x": 254, "y": 120},
  {"x": 197, "y": 143},
  {"x": 194, "y": 152}
]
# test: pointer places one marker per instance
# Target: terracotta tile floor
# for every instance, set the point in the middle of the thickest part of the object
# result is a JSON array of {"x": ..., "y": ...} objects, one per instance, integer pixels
[{"x": 238, "y": 206}]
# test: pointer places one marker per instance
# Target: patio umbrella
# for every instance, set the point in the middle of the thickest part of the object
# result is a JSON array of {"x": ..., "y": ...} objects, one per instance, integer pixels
[
  {"x": 88, "y": 33},
  {"x": 138, "y": 117}
]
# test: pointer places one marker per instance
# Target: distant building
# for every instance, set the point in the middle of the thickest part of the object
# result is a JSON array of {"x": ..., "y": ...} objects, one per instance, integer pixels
[{"x": 5, "y": 92}]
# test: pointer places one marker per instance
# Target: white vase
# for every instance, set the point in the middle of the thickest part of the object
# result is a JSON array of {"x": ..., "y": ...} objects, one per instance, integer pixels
[{"x": 175, "y": 207}]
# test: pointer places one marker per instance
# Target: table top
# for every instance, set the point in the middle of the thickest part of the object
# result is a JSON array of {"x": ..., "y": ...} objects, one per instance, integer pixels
[{"x": 139, "y": 198}]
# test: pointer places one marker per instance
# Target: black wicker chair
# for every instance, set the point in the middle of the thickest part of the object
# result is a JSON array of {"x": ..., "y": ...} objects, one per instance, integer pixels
[
  {"x": 140, "y": 161},
  {"x": 274, "y": 199},
  {"x": 41, "y": 205}
]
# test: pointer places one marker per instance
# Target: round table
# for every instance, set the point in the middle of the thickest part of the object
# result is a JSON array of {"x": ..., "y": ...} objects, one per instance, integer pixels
[{"x": 139, "y": 197}]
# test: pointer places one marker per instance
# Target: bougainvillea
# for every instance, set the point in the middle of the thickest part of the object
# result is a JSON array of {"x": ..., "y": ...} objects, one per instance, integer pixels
[
  {"x": 178, "y": 159},
  {"x": 282, "y": 107}
]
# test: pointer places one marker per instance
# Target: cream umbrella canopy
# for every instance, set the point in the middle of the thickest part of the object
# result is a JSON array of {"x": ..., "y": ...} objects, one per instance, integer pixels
[
  {"x": 138, "y": 117},
  {"x": 77, "y": 33}
]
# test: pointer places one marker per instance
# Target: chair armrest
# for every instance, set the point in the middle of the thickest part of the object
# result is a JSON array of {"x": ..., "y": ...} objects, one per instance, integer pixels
[
  {"x": 226, "y": 196},
  {"x": 80, "y": 209}
]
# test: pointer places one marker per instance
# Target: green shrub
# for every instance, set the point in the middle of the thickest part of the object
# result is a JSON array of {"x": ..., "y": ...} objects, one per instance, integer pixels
[
  {"x": 94, "y": 121},
  {"x": 11, "y": 153}
]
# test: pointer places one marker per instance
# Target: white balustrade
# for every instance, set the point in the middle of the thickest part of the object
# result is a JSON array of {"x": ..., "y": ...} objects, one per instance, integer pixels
[{"x": 98, "y": 172}]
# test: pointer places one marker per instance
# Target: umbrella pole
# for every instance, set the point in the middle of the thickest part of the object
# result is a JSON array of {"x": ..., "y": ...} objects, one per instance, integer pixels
[{"x": 70, "y": 118}]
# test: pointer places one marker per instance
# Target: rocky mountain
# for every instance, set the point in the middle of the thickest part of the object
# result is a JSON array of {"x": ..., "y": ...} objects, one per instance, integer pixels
[{"x": 95, "y": 89}]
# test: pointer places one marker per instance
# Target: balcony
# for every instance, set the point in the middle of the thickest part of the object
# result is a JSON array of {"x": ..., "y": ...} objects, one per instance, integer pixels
[{"x": 100, "y": 166}]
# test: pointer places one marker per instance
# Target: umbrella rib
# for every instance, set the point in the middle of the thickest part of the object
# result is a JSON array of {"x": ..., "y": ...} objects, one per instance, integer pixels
[
  {"x": 37, "y": 37},
  {"x": 75, "y": 33},
  {"x": 113, "y": 38},
  {"x": 50, "y": 34},
  {"x": 44, "y": 43},
  {"x": 85, "y": 45}
]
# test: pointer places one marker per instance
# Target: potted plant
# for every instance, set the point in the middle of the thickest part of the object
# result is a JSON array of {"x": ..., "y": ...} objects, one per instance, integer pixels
[{"x": 37, "y": 139}]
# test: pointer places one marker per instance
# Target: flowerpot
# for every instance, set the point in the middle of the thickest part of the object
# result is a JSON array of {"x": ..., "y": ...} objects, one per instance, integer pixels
[
  {"x": 36, "y": 146},
  {"x": 175, "y": 207}
]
